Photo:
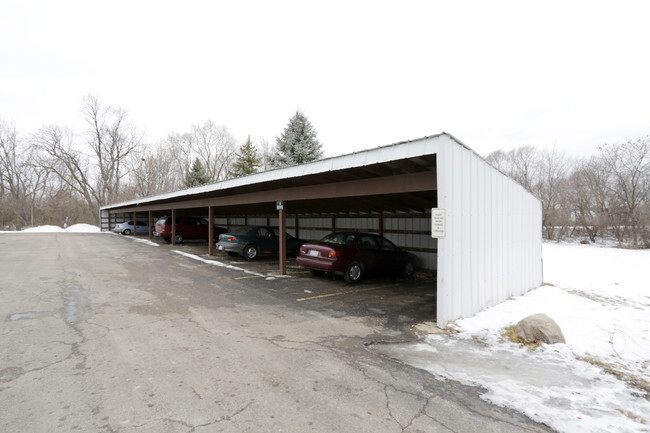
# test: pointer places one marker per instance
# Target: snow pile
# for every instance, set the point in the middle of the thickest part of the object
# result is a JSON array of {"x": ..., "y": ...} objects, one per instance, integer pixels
[
  {"x": 44, "y": 229},
  {"x": 83, "y": 228},
  {"x": 597, "y": 382},
  {"x": 77, "y": 228}
]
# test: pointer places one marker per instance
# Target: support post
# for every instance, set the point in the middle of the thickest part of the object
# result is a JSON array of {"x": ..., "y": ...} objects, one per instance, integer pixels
[
  {"x": 135, "y": 224},
  {"x": 150, "y": 224},
  {"x": 283, "y": 241},
  {"x": 173, "y": 226},
  {"x": 210, "y": 230}
]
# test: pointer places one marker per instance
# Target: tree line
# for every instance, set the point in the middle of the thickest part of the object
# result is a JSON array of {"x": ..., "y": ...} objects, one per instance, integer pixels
[
  {"x": 605, "y": 196},
  {"x": 56, "y": 175}
]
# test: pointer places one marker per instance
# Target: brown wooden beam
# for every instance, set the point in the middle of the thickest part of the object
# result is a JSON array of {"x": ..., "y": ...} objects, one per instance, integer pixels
[
  {"x": 173, "y": 226},
  {"x": 211, "y": 231},
  {"x": 283, "y": 240},
  {"x": 413, "y": 182}
]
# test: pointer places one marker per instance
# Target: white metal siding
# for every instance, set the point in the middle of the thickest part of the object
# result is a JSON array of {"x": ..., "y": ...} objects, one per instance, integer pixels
[{"x": 493, "y": 246}]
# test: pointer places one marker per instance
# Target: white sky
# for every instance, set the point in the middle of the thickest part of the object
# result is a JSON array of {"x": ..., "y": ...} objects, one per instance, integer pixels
[{"x": 496, "y": 74}]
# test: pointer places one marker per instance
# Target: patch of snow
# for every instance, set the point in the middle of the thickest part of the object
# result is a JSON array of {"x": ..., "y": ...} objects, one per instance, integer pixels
[
  {"x": 600, "y": 298},
  {"x": 83, "y": 228},
  {"x": 44, "y": 229},
  {"x": 144, "y": 241},
  {"x": 77, "y": 228},
  {"x": 217, "y": 263}
]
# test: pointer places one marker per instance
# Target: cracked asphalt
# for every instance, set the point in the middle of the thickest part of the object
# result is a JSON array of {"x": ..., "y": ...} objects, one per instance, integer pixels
[{"x": 103, "y": 334}]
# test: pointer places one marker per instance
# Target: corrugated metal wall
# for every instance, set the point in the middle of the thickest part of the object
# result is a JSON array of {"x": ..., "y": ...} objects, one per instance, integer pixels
[{"x": 493, "y": 246}]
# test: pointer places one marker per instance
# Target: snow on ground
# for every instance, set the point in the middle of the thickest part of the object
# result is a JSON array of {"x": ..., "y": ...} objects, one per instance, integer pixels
[
  {"x": 600, "y": 298},
  {"x": 76, "y": 228},
  {"x": 83, "y": 228},
  {"x": 44, "y": 229}
]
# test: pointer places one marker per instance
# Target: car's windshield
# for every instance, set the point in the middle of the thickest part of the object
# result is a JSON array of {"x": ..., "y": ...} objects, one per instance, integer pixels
[{"x": 339, "y": 239}]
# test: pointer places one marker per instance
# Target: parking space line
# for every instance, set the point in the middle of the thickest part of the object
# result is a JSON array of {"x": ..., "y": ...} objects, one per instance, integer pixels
[
  {"x": 250, "y": 276},
  {"x": 347, "y": 292}
]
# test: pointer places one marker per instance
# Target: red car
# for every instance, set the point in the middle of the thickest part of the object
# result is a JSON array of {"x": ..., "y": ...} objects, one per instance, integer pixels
[
  {"x": 187, "y": 228},
  {"x": 354, "y": 255}
]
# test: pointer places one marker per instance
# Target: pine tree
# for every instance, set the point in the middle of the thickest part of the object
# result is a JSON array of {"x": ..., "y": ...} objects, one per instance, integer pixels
[
  {"x": 247, "y": 161},
  {"x": 297, "y": 144},
  {"x": 196, "y": 175}
]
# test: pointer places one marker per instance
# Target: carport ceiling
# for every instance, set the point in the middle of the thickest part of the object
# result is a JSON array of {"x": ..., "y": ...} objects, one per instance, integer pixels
[{"x": 405, "y": 185}]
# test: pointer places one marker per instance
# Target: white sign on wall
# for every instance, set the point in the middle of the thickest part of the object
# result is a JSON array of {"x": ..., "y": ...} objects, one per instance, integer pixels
[{"x": 438, "y": 223}]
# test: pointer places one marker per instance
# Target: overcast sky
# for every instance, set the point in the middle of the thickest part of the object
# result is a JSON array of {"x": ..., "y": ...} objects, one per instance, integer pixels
[{"x": 497, "y": 75}]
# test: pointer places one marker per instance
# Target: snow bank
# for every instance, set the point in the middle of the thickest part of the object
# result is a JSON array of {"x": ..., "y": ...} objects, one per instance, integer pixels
[
  {"x": 44, "y": 229},
  {"x": 77, "y": 228},
  {"x": 83, "y": 228},
  {"x": 600, "y": 298}
]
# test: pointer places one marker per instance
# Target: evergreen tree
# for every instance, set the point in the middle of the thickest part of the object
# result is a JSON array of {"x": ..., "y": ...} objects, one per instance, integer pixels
[
  {"x": 297, "y": 144},
  {"x": 196, "y": 175},
  {"x": 247, "y": 161}
]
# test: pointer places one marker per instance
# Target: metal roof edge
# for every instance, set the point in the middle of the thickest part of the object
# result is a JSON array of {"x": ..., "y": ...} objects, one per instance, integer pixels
[{"x": 326, "y": 164}]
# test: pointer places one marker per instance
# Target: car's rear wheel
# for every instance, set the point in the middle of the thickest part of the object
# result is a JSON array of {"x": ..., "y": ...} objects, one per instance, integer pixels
[
  {"x": 178, "y": 239},
  {"x": 126, "y": 232},
  {"x": 250, "y": 252},
  {"x": 354, "y": 272}
]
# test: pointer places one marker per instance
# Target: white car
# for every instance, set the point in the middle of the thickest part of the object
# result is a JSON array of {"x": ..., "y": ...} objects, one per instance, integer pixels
[{"x": 126, "y": 228}]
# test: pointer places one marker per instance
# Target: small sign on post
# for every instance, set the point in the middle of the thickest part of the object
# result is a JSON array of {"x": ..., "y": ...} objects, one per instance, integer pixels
[
  {"x": 438, "y": 223},
  {"x": 279, "y": 205}
]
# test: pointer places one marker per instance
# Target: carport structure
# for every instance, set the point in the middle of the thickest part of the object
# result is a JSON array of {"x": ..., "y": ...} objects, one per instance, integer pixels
[{"x": 489, "y": 240}]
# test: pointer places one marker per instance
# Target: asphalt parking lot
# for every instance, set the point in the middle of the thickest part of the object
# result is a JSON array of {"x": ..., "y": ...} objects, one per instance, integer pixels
[
  {"x": 105, "y": 334},
  {"x": 394, "y": 302}
]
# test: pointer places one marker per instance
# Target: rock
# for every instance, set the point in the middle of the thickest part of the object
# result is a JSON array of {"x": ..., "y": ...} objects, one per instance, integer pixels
[{"x": 539, "y": 327}]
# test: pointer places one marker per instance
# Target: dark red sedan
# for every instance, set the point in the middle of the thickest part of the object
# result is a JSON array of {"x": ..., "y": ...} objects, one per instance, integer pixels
[
  {"x": 187, "y": 228},
  {"x": 354, "y": 255}
]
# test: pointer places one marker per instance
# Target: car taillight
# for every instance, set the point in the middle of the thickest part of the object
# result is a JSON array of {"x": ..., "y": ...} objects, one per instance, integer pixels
[
  {"x": 333, "y": 254},
  {"x": 231, "y": 239}
]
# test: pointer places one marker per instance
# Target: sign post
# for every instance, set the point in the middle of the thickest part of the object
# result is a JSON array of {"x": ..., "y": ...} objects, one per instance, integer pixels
[{"x": 283, "y": 236}]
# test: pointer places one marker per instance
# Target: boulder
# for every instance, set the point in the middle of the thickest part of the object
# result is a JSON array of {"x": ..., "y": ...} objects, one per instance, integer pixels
[{"x": 539, "y": 327}]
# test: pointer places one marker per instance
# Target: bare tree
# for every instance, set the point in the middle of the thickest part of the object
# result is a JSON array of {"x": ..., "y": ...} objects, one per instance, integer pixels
[
  {"x": 21, "y": 183},
  {"x": 549, "y": 189},
  {"x": 215, "y": 147},
  {"x": 266, "y": 153},
  {"x": 152, "y": 171},
  {"x": 583, "y": 200},
  {"x": 112, "y": 139},
  {"x": 57, "y": 155},
  {"x": 629, "y": 169},
  {"x": 521, "y": 164}
]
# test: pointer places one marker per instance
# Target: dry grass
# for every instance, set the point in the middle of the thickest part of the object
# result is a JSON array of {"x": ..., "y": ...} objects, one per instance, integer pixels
[
  {"x": 639, "y": 383},
  {"x": 510, "y": 333}
]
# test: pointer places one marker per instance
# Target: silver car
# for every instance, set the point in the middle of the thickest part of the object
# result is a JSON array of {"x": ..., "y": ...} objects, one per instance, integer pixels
[{"x": 126, "y": 228}]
